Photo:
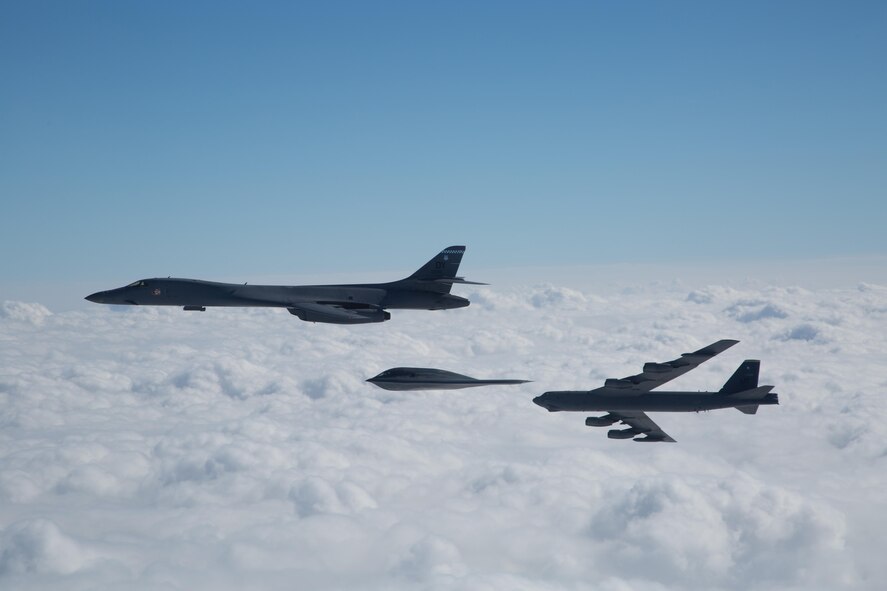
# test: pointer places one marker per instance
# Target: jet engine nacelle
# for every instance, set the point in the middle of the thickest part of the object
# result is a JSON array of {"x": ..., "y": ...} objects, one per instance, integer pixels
[
  {"x": 623, "y": 433},
  {"x": 362, "y": 316},
  {"x": 656, "y": 367},
  {"x": 604, "y": 421}
]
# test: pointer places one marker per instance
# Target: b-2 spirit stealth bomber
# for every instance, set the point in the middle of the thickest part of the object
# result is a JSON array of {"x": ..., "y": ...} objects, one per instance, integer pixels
[{"x": 428, "y": 378}]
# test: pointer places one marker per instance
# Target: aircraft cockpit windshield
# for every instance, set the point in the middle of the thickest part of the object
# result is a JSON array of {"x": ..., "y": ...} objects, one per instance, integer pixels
[{"x": 137, "y": 284}]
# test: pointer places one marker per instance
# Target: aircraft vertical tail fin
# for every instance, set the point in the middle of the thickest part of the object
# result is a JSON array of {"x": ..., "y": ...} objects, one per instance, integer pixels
[
  {"x": 744, "y": 378},
  {"x": 441, "y": 269}
]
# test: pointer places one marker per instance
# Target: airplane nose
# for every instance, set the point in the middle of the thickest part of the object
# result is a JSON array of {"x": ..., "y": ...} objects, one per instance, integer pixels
[
  {"x": 96, "y": 298},
  {"x": 543, "y": 401}
]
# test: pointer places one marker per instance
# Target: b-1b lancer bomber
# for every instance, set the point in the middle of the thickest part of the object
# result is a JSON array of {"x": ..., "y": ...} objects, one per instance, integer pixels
[
  {"x": 360, "y": 303},
  {"x": 626, "y": 399}
]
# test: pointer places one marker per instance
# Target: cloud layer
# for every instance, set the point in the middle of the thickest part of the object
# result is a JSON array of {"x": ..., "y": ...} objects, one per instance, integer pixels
[{"x": 159, "y": 449}]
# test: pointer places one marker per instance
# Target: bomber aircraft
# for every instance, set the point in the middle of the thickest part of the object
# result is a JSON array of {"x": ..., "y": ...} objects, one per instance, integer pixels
[
  {"x": 626, "y": 399},
  {"x": 360, "y": 303},
  {"x": 429, "y": 378}
]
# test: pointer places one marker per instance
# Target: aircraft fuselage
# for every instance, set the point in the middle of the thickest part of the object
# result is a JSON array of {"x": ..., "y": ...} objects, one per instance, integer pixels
[
  {"x": 659, "y": 401},
  {"x": 199, "y": 293}
]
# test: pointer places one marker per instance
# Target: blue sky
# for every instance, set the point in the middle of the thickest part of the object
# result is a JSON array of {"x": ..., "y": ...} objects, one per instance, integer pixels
[{"x": 224, "y": 139}]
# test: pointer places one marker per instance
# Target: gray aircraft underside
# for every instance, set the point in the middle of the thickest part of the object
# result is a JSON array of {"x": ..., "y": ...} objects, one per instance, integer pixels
[
  {"x": 360, "y": 303},
  {"x": 626, "y": 399},
  {"x": 428, "y": 378}
]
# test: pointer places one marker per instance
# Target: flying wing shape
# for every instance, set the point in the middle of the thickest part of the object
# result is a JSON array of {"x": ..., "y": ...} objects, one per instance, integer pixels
[
  {"x": 639, "y": 424},
  {"x": 656, "y": 374},
  {"x": 338, "y": 313},
  {"x": 430, "y": 378}
]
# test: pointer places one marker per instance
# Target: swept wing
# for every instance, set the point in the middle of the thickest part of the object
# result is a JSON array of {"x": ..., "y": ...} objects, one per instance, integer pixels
[
  {"x": 338, "y": 313},
  {"x": 640, "y": 424},
  {"x": 656, "y": 374}
]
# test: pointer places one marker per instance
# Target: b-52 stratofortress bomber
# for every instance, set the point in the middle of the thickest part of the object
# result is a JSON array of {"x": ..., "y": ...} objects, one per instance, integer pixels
[
  {"x": 626, "y": 399},
  {"x": 360, "y": 303}
]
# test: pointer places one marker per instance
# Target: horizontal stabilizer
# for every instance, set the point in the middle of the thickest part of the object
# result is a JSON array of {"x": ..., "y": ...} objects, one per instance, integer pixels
[
  {"x": 453, "y": 280},
  {"x": 749, "y": 410}
]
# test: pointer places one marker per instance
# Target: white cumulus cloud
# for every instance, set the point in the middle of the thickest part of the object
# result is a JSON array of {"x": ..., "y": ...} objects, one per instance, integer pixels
[{"x": 157, "y": 449}]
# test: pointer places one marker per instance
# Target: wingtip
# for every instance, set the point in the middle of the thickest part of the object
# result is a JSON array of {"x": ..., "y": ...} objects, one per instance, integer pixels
[
  {"x": 648, "y": 439},
  {"x": 715, "y": 348},
  {"x": 725, "y": 343}
]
